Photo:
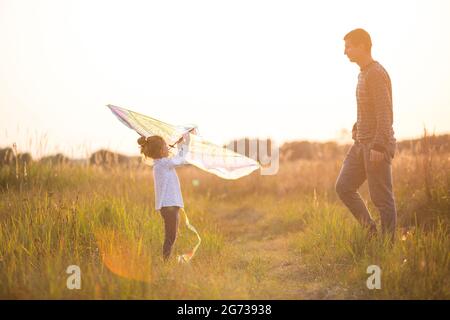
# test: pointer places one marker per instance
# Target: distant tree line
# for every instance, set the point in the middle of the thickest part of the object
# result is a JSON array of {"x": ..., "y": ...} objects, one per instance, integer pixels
[
  {"x": 309, "y": 150},
  {"x": 253, "y": 148}
]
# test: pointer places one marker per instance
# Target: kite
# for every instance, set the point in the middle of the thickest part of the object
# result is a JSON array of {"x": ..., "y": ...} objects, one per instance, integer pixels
[{"x": 201, "y": 153}]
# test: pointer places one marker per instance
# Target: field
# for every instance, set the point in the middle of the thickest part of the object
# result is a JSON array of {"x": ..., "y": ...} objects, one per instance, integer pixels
[{"x": 285, "y": 236}]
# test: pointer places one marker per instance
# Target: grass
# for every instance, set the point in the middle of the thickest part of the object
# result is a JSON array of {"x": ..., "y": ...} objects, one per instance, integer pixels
[{"x": 264, "y": 237}]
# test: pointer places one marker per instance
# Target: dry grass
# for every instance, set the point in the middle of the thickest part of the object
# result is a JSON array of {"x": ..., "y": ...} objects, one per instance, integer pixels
[{"x": 264, "y": 237}]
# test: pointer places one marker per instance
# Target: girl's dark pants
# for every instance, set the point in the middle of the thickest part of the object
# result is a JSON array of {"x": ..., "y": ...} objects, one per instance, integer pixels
[{"x": 171, "y": 218}]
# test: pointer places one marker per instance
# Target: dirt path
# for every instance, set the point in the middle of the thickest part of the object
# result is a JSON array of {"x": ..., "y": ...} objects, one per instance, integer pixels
[{"x": 283, "y": 275}]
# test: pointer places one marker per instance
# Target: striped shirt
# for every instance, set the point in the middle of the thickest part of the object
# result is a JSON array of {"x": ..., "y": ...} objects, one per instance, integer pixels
[{"x": 375, "y": 114}]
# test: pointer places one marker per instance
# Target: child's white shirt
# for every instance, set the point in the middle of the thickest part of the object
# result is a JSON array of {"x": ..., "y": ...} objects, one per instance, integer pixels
[{"x": 167, "y": 185}]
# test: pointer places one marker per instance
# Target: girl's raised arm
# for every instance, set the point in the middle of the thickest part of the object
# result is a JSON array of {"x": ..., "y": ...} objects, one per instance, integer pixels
[{"x": 183, "y": 147}]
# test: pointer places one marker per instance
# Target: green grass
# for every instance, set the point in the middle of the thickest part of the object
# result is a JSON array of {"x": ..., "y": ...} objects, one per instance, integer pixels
[{"x": 285, "y": 236}]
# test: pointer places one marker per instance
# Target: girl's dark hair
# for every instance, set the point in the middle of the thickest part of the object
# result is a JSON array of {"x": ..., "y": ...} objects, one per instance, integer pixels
[{"x": 152, "y": 146}]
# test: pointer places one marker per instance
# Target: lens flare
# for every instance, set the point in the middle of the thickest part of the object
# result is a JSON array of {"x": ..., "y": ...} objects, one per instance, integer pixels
[{"x": 123, "y": 255}]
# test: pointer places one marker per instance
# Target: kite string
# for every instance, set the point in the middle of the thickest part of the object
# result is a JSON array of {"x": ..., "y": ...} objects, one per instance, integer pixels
[{"x": 186, "y": 258}]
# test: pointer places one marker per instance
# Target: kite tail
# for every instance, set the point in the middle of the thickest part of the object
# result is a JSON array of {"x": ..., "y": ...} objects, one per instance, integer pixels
[{"x": 185, "y": 258}]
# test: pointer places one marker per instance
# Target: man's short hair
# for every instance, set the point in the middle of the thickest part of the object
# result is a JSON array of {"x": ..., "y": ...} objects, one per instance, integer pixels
[{"x": 359, "y": 36}]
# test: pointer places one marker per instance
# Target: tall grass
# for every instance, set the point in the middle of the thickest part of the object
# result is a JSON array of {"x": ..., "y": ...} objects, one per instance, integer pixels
[{"x": 264, "y": 237}]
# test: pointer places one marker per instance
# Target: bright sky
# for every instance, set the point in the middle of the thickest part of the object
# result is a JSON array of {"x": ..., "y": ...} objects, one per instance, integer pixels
[{"x": 235, "y": 68}]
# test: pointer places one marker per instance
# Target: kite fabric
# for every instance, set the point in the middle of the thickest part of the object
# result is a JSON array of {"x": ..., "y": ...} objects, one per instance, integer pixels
[{"x": 201, "y": 153}]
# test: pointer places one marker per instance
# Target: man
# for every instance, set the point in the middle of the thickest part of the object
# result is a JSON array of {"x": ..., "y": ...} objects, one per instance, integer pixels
[{"x": 374, "y": 143}]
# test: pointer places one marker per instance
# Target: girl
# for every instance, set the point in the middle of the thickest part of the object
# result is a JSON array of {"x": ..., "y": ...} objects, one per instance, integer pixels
[{"x": 168, "y": 198}]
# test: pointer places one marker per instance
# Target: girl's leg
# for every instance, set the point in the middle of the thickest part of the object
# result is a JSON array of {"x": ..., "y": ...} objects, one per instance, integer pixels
[{"x": 171, "y": 218}]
